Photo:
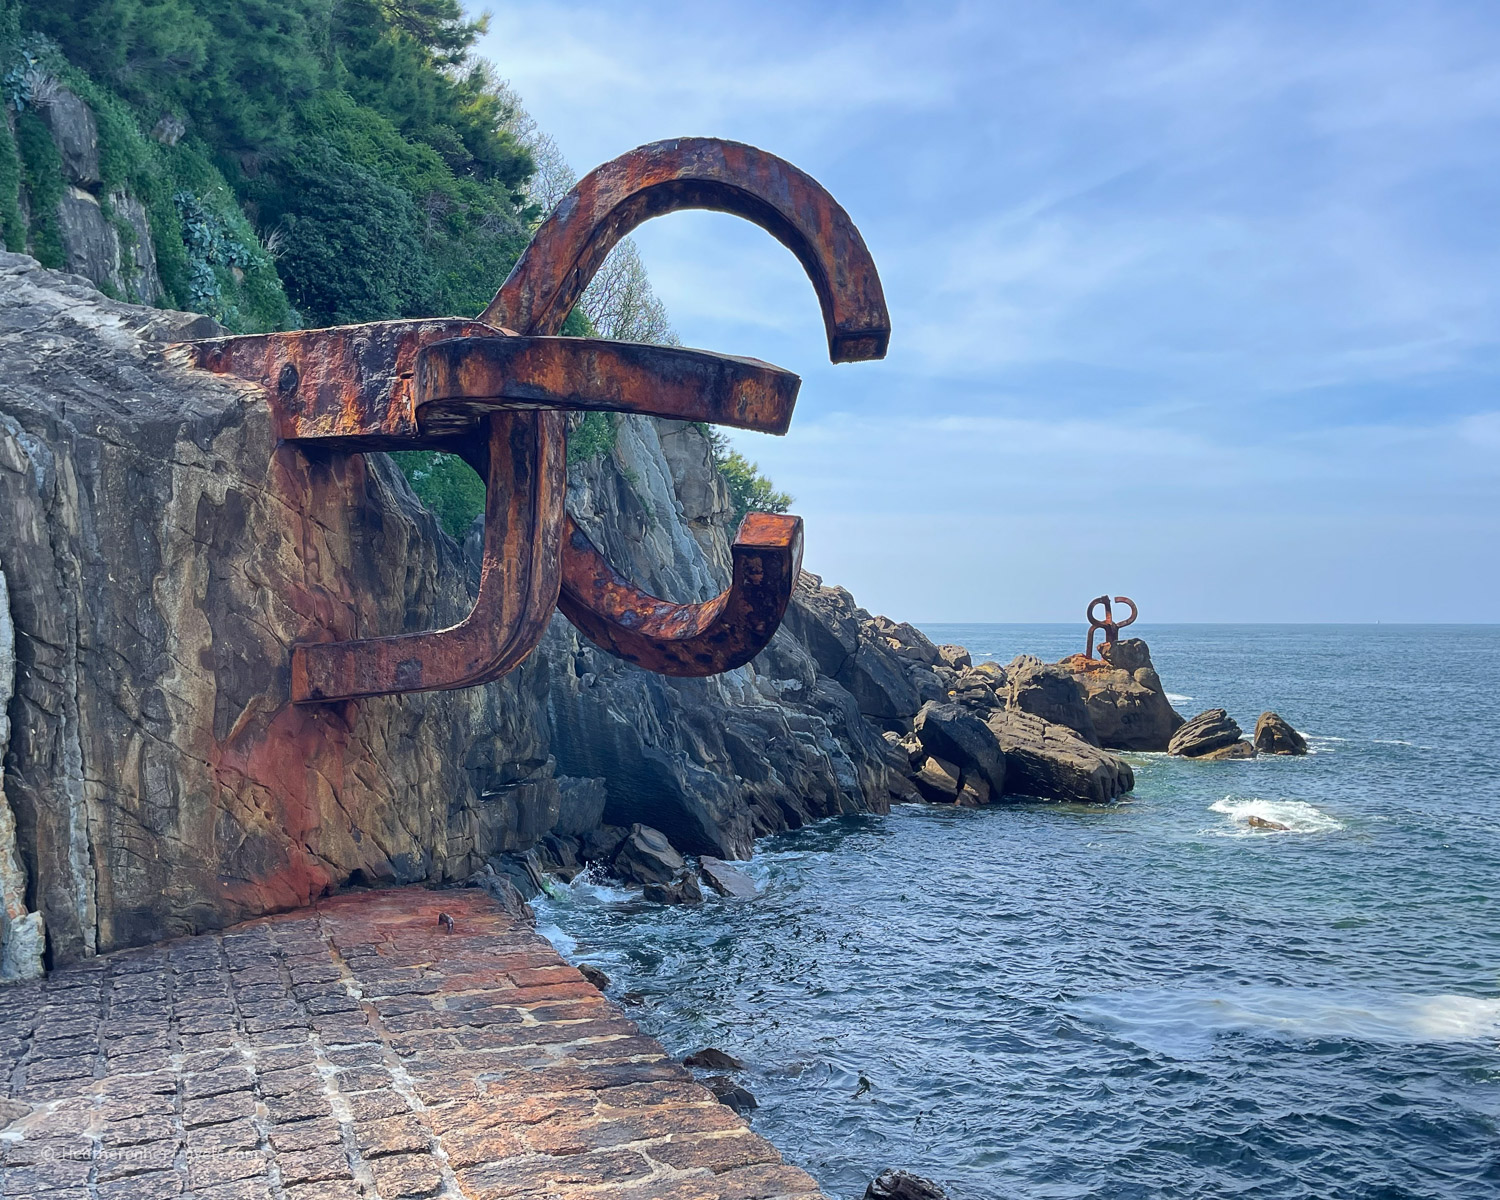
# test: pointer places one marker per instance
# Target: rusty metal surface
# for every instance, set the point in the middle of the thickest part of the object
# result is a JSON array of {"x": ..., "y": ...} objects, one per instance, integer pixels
[
  {"x": 496, "y": 390},
  {"x": 1108, "y": 624},
  {"x": 459, "y": 379},
  {"x": 687, "y": 639},
  {"x": 702, "y": 173},
  {"x": 518, "y": 583}
]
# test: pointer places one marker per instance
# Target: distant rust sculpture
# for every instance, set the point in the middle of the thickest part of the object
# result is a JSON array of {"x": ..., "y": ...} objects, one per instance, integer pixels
[
  {"x": 1109, "y": 625},
  {"x": 496, "y": 391}
]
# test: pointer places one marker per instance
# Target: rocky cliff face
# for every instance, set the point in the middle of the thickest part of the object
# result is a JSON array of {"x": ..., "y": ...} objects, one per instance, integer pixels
[
  {"x": 162, "y": 553},
  {"x": 106, "y": 235}
]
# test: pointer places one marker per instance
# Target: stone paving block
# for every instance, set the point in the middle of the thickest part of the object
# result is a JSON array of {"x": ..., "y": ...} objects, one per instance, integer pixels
[
  {"x": 128, "y": 1161},
  {"x": 239, "y": 1134},
  {"x": 153, "y": 1185},
  {"x": 541, "y": 1173},
  {"x": 240, "y": 1189},
  {"x": 305, "y": 1135},
  {"x": 297, "y": 1107},
  {"x": 392, "y": 1135},
  {"x": 216, "y": 1109},
  {"x": 325, "y": 1190},
  {"x": 717, "y": 1153},
  {"x": 311, "y": 1166},
  {"x": 406, "y": 1176},
  {"x": 211, "y": 1169},
  {"x": 224, "y": 1065},
  {"x": 371, "y": 1106}
]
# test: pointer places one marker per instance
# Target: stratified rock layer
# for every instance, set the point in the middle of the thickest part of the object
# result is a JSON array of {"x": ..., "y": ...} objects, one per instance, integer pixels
[
  {"x": 1273, "y": 735},
  {"x": 1212, "y": 734}
]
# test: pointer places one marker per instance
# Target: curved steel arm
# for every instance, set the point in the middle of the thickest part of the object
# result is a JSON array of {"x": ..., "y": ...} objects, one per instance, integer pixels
[
  {"x": 709, "y": 173},
  {"x": 518, "y": 583},
  {"x": 686, "y": 639}
]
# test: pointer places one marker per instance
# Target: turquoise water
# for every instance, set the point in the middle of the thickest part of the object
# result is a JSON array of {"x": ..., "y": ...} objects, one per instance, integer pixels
[{"x": 1147, "y": 999}]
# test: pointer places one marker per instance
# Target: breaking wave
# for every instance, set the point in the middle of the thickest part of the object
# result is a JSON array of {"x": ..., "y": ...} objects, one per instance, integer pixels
[
  {"x": 1253, "y": 815},
  {"x": 1184, "y": 1024}
]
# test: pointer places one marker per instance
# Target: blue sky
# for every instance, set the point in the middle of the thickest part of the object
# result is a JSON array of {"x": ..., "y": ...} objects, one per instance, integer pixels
[{"x": 1195, "y": 302}]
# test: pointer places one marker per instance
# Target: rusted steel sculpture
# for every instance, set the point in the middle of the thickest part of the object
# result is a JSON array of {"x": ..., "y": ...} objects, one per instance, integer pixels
[
  {"x": 497, "y": 391},
  {"x": 1110, "y": 626}
]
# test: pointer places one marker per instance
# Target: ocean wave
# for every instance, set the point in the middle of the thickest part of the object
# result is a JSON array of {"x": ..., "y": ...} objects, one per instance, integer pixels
[
  {"x": 563, "y": 943},
  {"x": 1176, "y": 699},
  {"x": 1184, "y": 1024},
  {"x": 1294, "y": 816}
]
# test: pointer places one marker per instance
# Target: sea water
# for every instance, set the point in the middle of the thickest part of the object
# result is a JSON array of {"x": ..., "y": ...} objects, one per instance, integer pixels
[{"x": 1150, "y": 998}]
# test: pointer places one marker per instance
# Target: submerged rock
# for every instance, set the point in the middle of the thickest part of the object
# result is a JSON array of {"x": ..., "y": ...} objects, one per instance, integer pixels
[
  {"x": 1051, "y": 762},
  {"x": 1213, "y": 733},
  {"x": 711, "y": 1058},
  {"x": 732, "y": 1094},
  {"x": 1273, "y": 735},
  {"x": 903, "y": 1185},
  {"x": 681, "y": 889},
  {"x": 1124, "y": 696},
  {"x": 594, "y": 975},
  {"x": 1263, "y": 823},
  {"x": 725, "y": 879}
]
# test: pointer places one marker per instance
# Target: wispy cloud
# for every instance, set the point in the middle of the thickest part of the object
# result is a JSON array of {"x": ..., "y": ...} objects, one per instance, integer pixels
[{"x": 1234, "y": 261}]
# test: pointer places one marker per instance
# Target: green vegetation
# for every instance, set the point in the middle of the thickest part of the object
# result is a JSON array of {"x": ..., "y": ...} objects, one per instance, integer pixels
[
  {"x": 749, "y": 490},
  {"x": 41, "y": 168},
  {"x": 309, "y": 162},
  {"x": 447, "y": 485},
  {"x": 593, "y": 437}
]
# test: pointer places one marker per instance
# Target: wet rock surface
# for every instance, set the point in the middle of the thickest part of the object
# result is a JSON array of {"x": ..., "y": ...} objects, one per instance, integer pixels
[
  {"x": 903, "y": 1185},
  {"x": 726, "y": 879},
  {"x": 1273, "y": 735},
  {"x": 646, "y": 856},
  {"x": 1212, "y": 734}
]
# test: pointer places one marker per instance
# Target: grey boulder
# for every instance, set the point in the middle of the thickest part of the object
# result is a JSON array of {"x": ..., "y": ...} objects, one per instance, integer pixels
[
  {"x": 725, "y": 879},
  {"x": 1049, "y": 691},
  {"x": 1051, "y": 762},
  {"x": 952, "y": 733},
  {"x": 645, "y": 856}
]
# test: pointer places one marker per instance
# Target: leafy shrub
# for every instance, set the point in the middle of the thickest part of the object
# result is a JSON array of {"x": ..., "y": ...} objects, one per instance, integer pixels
[
  {"x": 43, "y": 171},
  {"x": 447, "y": 485},
  {"x": 12, "y": 226},
  {"x": 749, "y": 490},
  {"x": 593, "y": 437},
  {"x": 351, "y": 244}
]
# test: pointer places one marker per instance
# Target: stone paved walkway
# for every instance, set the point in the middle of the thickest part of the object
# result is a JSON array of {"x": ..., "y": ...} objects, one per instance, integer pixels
[{"x": 356, "y": 1050}]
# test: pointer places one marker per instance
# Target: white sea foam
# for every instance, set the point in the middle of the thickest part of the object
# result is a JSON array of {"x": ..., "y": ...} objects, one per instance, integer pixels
[
  {"x": 1176, "y": 699},
  {"x": 1297, "y": 815},
  {"x": 561, "y": 942},
  {"x": 1184, "y": 1024}
]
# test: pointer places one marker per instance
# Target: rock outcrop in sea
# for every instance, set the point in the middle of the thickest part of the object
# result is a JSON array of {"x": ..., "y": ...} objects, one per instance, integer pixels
[
  {"x": 162, "y": 552},
  {"x": 1212, "y": 734}
]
